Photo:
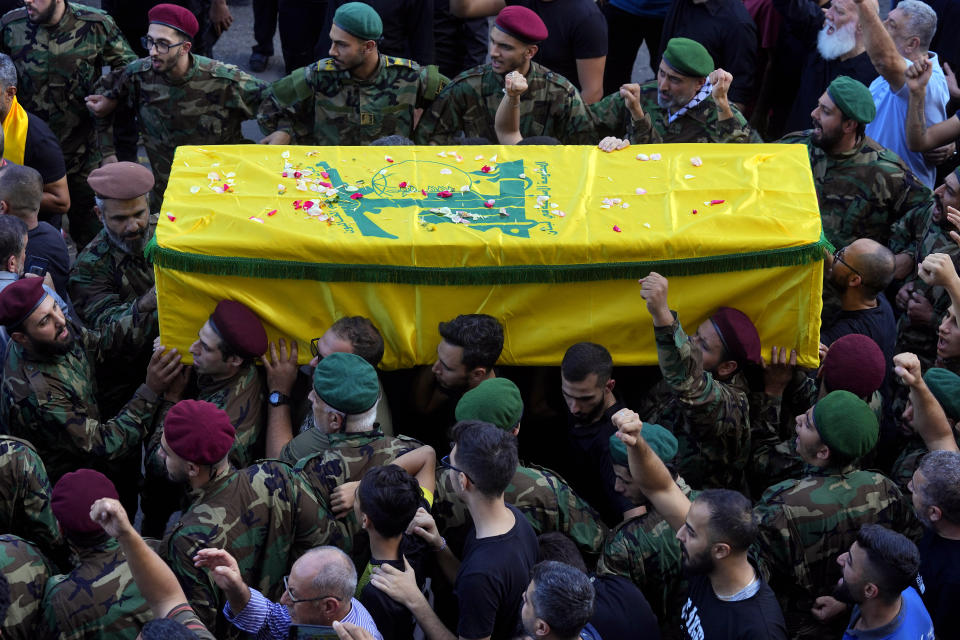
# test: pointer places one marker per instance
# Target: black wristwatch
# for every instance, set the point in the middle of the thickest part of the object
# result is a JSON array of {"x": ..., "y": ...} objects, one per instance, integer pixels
[{"x": 276, "y": 399}]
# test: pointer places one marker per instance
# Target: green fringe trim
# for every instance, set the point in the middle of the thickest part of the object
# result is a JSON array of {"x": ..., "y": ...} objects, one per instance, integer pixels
[{"x": 452, "y": 276}]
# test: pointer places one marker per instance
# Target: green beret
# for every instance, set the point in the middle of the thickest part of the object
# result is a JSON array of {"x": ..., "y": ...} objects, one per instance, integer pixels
[
  {"x": 663, "y": 443},
  {"x": 347, "y": 383},
  {"x": 359, "y": 20},
  {"x": 853, "y": 98},
  {"x": 496, "y": 401},
  {"x": 846, "y": 424},
  {"x": 688, "y": 57},
  {"x": 945, "y": 386}
]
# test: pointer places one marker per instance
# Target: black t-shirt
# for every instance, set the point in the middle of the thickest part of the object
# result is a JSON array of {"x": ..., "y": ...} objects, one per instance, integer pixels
[
  {"x": 578, "y": 30},
  {"x": 817, "y": 75},
  {"x": 878, "y": 324},
  {"x": 42, "y": 152},
  {"x": 706, "y": 616},
  {"x": 493, "y": 575},
  {"x": 46, "y": 248},
  {"x": 394, "y": 620},
  {"x": 621, "y": 612},
  {"x": 939, "y": 582}
]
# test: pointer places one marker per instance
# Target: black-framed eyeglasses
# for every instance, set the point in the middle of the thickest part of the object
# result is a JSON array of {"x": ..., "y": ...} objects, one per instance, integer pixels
[
  {"x": 838, "y": 257},
  {"x": 296, "y": 600},
  {"x": 445, "y": 462},
  {"x": 162, "y": 47},
  {"x": 315, "y": 347}
]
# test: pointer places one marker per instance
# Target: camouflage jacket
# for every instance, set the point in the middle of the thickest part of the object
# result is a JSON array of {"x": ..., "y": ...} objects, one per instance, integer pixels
[
  {"x": 710, "y": 418},
  {"x": 58, "y": 67},
  {"x": 25, "y": 497},
  {"x": 320, "y": 104},
  {"x": 51, "y": 401},
  {"x": 26, "y": 571},
  {"x": 98, "y": 599},
  {"x": 551, "y": 106},
  {"x": 206, "y": 106},
  {"x": 106, "y": 281},
  {"x": 700, "y": 124},
  {"x": 645, "y": 549},
  {"x": 544, "y": 498},
  {"x": 863, "y": 192},
  {"x": 806, "y": 523},
  {"x": 265, "y": 517}
]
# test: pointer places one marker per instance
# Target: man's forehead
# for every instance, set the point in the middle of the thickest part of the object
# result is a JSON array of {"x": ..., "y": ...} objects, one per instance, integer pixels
[
  {"x": 590, "y": 383},
  {"x": 163, "y": 32},
  {"x": 826, "y": 101},
  {"x": 123, "y": 208}
]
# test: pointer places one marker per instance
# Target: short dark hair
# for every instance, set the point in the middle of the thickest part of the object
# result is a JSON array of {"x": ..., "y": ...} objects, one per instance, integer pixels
[
  {"x": 166, "y": 629},
  {"x": 362, "y": 335},
  {"x": 941, "y": 470},
  {"x": 554, "y": 545},
  {"x": 480, "y": 336},
  {"x": 894, "y": 559},
  {"x": 562, "y": 597},
  {"x": 487, "y": 454},
  {"x": 22, "y": 189},
  {"x": 585, "y": 358},
  {"x": 389, "y": 497},
  {"x": 13, "y": 232},
  {"x": 731, "y": 518},
  {"x": 861, "y": 126}
]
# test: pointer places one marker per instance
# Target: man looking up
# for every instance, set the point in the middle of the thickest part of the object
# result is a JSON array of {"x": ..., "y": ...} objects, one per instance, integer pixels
[{"x": 353, "y": 97}]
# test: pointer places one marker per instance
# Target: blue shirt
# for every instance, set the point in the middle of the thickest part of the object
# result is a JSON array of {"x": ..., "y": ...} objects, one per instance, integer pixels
[
  {"x": 271, "y": 621},
  {"x": 912, "y": 623}
]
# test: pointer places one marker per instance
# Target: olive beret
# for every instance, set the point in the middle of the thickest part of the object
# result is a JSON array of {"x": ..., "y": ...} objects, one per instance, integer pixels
[
  {"x": 346, "y": 382},
  {"x": 688, "y": 57},
  {"x": 846, "y": 424},
  {"x": 853, "y": 99},
  {"x": 945, "y": 386},
  {"x": 359, "y": 20},
  {"x": 661, "y": 441},
  {"x": 496, "y": 401}
]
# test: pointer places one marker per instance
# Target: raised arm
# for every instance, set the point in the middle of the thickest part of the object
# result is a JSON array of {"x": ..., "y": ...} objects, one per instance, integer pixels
[
  {"x": 880, "y": 46},
  {"x": 929, "y": 420},
  {"x": 507, "y": 121},
  {"x": 919, "y": 136}
]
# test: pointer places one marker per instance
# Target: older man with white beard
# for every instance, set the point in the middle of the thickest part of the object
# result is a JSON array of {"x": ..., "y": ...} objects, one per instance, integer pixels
[{"x": 839, "y": 52}]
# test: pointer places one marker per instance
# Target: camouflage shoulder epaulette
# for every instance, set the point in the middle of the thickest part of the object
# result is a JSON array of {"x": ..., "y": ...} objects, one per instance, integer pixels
[
  {"x": 13, "y": 15},
  {"x": 776, "y": 490},
  {"x": 434, "y": 81},
  {"x": 141, "y": 65},
  {"x": 53, "y": 582},
  {"x": 403, "y": 438},
  {"x": 326, "y": 64},
  {"x": 90, "y": 14},
  {"x": 25, "y": 443},
  {"x": 393, "y": 61},
  {"x": 478, "y": 70}
]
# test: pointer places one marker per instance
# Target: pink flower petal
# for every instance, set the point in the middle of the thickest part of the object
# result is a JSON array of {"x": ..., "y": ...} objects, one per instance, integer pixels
[
  {"x": 444, "y": 194},
  {"x": 356, "y": 196},
  {"x": 403, "y": 185},
  {"x": 617, "y": 229},
  {"x": 324, "y": 174},
  {"x": 485, "y": 169},
  {"x": 272, "y": 213},
  {"x": 171, "y": 217}
]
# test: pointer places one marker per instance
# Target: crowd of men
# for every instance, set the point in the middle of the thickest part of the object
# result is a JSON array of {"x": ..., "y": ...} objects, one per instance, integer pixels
[{"x": 729, "y": 494}]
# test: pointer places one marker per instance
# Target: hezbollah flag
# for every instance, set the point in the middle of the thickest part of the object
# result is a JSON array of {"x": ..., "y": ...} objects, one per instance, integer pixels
[{"x": 549, "y": 240}]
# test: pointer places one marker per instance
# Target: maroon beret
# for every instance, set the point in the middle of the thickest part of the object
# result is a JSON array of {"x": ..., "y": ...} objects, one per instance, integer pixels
[
  {"x": 121, "y": 180},
  {"x": 174, "y": 17},
  {"x": 239, "y": 327},
  {"x": 198, "y": 431},
  {"x": 74, "y": 494},
  {"x": 522, "y": 23},
  {"x": 19, "y": 299},
  {"x": 738, "y": 335},
  {"x": 854, "y": 363}
]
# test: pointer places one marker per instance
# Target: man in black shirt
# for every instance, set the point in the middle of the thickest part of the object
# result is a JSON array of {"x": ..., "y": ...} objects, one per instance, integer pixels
[
  {"x": 499, "y": 552},
  {"x": 726, "y": 598},
  {"x": 558, "y": 603}
]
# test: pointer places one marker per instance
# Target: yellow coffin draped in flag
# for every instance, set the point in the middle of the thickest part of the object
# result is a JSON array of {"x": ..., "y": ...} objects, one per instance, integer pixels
[{"x": 549, "y": 240}]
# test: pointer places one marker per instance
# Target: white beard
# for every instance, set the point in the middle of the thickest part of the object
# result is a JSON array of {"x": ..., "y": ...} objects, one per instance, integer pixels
[{"x": 841, "y": 42}]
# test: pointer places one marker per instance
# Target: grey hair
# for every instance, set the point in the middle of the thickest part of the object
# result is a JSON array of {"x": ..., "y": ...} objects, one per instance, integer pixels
[
  {"x": 8, "y": 72},
  {"x": 921, "y": 21},
  {"x": 941, "y": 470},
  {"x": 362, "y": 421},
  {"x": 337, "y": 576}
]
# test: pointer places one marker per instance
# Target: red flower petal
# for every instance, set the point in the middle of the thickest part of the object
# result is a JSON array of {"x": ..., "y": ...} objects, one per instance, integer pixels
[
  {"x": 403, "y": 185},
  {"x": 356, "y": 196}
]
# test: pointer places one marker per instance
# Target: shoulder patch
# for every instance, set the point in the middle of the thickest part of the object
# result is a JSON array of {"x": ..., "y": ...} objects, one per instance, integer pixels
[
  {"x": 326, "y": 64},
  {"x": 13, "y": 15},
  {"x": 138, "y": 66},
  {"x": 224, "y": 70},
  {"x": 90, "y": 14},
  {"x": 392, "y": 61}
]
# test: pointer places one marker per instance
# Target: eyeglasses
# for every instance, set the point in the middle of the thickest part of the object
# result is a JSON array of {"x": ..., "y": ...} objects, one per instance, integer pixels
[
  {"x": 315, "y": 348},
  {"x": 162, "y": 47},
  {"x": 838, "y": 257},
  {"x": 295, "y": 600},
  {"x": 445, "y": 462}
]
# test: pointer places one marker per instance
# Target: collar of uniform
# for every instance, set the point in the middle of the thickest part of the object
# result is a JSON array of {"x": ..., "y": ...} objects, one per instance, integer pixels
[
  {"x": 830, "y": 470},
  {"x": 356, "y": 439},
  {"x": 188, "y": 76},
  {"x": 536, "y": 71},
  {"x": 381, "y": 65},
  {"x": 93, "y": 552},
  {"x": 66, "y": 20},
  {"x": 202, "y": 494},
  {"x": 208, "y": 385}
]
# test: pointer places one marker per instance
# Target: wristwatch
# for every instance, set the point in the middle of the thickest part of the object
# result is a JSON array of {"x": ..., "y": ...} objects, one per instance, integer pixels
[{"x": 276, "y": 399}]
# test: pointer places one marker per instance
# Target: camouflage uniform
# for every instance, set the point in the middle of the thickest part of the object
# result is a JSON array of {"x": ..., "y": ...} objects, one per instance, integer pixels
[
  {"x": 265, "y": 517},
  {"x": 806, "y": 523},
  {"x": 863, "y": 192},
  {"x": 26, "y": 570},
  {"x": 25, "y": 497},
  {"x": 206, "y": 106},
  {"x": 320, "y": 104},
  {"x": 773, "y": 421},
  {"x": 51, "y": 401},
  {"x": 700, "y": 124},
  {"x": 58, "y": 67},
  {"x": 710, "y": 418},
  {"x": 546, "y": 500},
  {"x": 550, "y": 106},
  {"x": 98, "y": 599}
]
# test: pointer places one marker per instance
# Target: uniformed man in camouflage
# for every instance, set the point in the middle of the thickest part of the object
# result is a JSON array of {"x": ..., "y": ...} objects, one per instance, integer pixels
[
  {"x": 544, "y": 498},
  {"x": 26, "y": 572},
  {"x": 49, "y": 392},
  {"x": 98, "y": 597},
  {"x": 353, "y": 97},
  {"x": 264, "y": 515},
  {"x": 863, "y": 188},
  {"x": 687, "y": 103},
  {"x": 702, "y": 398},
  {"x": 643, "y": 547},
  {"x": 806, "y": 522},
  {"x": 550, "y": 106},
  {"x": 60, "y": 50}
]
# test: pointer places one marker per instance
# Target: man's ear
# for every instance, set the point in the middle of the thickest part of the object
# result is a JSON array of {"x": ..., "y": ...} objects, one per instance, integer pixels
[
  {"x": 726, "y": 368},
  {"x": 235, "y": 361},
  {"x": 720, "y": 550},
  {"x": 97, "y": 210},
  {"x": 528, "y": 55},
  {"x": 4, "y": 207},
  {"x": 611, "y": 383},
  {"x": 11, "y": 264},
  {"x": 19, "y": 337}
]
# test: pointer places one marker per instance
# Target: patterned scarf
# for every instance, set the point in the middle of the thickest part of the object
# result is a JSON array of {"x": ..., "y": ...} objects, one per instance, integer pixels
[{"x": 705, "y": 91}]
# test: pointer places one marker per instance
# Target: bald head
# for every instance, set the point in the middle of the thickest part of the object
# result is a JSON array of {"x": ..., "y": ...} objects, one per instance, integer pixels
[
  {"x": 875, "y": 263},
  {"x": 332, "y": 572}
]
